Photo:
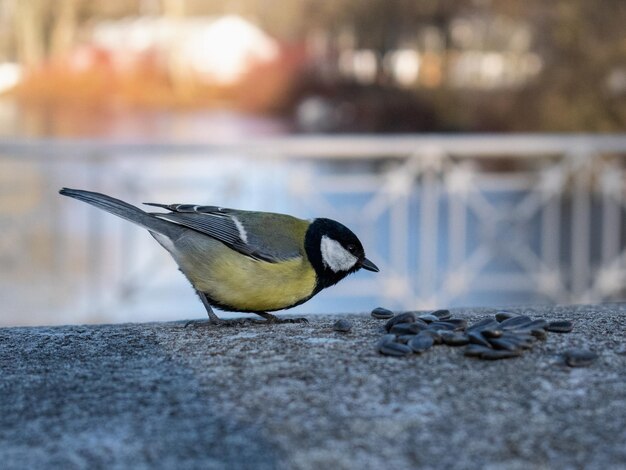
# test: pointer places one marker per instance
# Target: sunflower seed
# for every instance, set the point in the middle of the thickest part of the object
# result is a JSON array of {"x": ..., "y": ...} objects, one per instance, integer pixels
[
  {"x": 579, "y": 357},
  {"x": 434, "y": 334},
  {"x": 515, "y": 322},
  {"x": 342, "y": 326},
  {"x": 506, "y": 336},
  {"x": 421, "y": 343},
  {"x": 504, "y": 315},
  {"x": 404, "y": 338},
  {"x": 529, "y": 334},
  {"x": 428, "y": 318},
  {"x": 442, "y": 314},
  {"x": 441, "y": 325},
  {"x": 394, "y": 349},
  {"x": 475, "y": 350},
  {"x": 492, "y": 333},
  {"x": 527, "y": 344},
  {"x": 522, "y": 341},
  {"x": 486, "y": 324},
  {"x": 406, "y": 329},
  {"x": 500, "y": 343},
  {"x": 539, "y": 333},
  {"x": 526, "y": 333},
  {"x": 539, "y": 323},
  {"x": 408, "y": 317},
  {"x": 454, "y": 338},
  {"x": 560, "y": 326},
  {"x": 388, "y": 338},
  {"x": 494, "y": 354},
  {"x": 520, "y": 335},
  {"x": 476, "y": 337},
  {"x": 460, "y": 323},
  {"x": 382, "y": 313}
]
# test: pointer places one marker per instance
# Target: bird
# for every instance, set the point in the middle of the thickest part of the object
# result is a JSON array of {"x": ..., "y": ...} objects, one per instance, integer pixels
[{"x": 245, "y": 261}]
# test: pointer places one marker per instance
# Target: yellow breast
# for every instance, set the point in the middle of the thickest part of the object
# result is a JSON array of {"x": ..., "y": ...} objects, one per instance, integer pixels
[{"x": 242, "y": 283}]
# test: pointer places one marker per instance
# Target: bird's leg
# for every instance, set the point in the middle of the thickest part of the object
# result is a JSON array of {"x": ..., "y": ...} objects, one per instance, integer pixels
[
  {"x": 274, "y": 319},
  {"x": 213, "y": 318},
  {"x": 209, "y": 310}
]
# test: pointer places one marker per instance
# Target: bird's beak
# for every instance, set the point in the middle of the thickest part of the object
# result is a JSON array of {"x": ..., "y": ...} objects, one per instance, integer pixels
[{"x": 367, "y": 264}]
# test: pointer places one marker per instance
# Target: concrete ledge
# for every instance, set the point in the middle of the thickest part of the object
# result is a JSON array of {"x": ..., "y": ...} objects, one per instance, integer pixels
[{"x": 303, "y": 396}]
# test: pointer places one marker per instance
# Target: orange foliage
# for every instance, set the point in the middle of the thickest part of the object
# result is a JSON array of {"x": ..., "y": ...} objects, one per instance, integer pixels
[
  {"x": 92, "y": 78},
  {"x": 267, "y": 87}
]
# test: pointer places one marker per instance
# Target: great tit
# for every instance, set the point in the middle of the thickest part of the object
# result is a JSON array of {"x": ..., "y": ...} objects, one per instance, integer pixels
[{"x": 246, "y": 261}]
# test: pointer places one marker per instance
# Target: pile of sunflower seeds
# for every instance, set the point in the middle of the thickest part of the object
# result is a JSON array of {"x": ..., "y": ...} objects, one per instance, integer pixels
[{"x": 504, "y": 336}]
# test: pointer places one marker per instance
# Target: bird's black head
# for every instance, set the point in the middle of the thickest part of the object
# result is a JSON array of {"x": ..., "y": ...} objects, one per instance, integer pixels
[{"x": 334, "y": 251}]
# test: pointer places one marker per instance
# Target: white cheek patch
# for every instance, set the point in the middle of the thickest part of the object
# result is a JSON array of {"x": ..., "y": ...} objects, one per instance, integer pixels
[
  {"x": 242, "y": 231},
  {"x": 335, "y": 256}
]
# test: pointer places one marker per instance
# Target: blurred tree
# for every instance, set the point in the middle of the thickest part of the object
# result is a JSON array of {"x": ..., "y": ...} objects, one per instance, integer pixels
[
  {"x": 29, "y": 32},
  {"x": 63, "y": 30},
  {"x": 582, "y": 44},
  {"x": 44, "y": 30},
  {"x": 181, "y": 79}
]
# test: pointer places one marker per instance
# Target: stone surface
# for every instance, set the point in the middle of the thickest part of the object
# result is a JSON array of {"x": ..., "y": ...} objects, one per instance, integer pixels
[{"x": 301, "y": 396}]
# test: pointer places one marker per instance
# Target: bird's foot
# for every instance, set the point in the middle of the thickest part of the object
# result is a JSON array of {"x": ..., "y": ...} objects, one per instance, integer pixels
[
  {"x": 292, "y": 320},
  {"x": 220, "y": 322},
  {"x": 269, "y": 318},
  {"x": 200, "y": 323}
]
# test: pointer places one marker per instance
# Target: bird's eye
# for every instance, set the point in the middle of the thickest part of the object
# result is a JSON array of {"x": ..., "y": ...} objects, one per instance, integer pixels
[{"x": 351, "y": 248}]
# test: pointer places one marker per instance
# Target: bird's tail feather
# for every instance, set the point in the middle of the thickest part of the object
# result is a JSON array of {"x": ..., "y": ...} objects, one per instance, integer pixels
[{"x": 125, "y": 211}]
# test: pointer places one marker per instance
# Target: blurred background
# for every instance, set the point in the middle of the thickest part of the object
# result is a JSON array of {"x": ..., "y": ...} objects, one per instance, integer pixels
[{"x": 476, "y": 147}]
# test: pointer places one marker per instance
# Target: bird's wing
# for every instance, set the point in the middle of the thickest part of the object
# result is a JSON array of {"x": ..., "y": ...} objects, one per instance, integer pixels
[{"x": 259, "y": 235}]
